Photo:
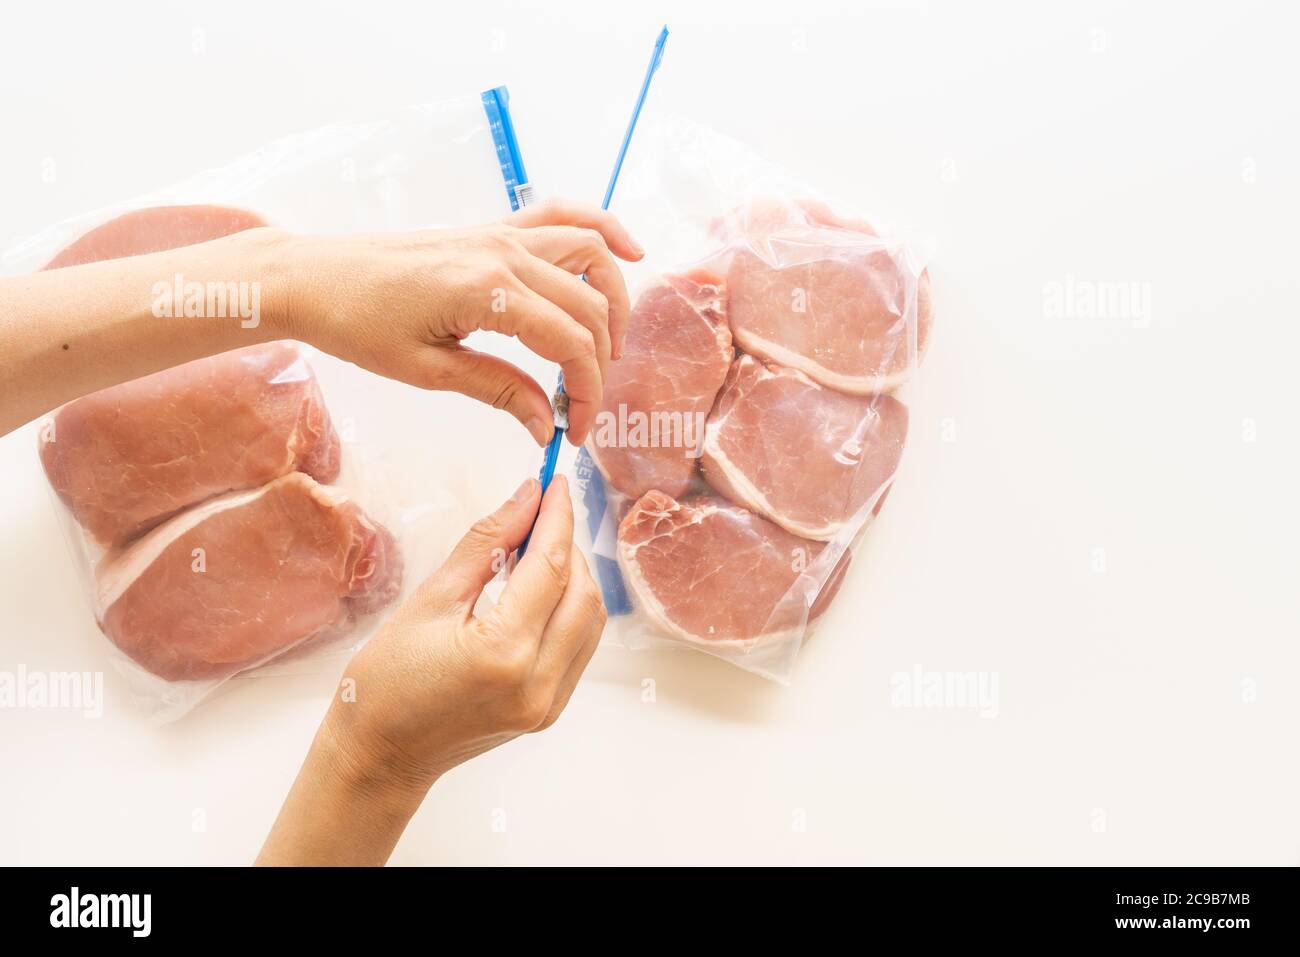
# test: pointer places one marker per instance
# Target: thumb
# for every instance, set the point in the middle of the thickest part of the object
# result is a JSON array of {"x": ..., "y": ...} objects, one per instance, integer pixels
[
  {"x": 479, "y": 555},
  {"x": 496, "y": 382}
]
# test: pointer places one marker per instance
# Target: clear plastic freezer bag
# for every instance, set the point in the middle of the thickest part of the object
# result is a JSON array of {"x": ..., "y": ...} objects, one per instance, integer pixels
[
  {"x": 222, "y": 521},
  {"x": 422, "y": 166},
  {"x": 754, "y": 425}
]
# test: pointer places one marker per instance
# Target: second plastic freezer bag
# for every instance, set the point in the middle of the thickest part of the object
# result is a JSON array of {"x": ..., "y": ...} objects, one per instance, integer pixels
[{"x": 756, "y": 421}]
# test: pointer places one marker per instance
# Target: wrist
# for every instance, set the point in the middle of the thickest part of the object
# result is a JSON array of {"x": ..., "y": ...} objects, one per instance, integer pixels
[
  {"x": 346, "y": 807},
  {"x": 280, "y": 265},
  {"x": 369, "y": 767}
]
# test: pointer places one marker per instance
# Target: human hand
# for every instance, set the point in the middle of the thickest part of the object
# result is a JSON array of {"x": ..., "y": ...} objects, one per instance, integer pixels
[
  {"x": 400, "y": 305},
  {"x": 437, "y": 686}
]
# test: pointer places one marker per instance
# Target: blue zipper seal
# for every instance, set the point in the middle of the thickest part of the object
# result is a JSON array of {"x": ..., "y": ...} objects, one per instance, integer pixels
[
  {"x": 496, "y": 104},
  {"x": 552, "y": 456}
]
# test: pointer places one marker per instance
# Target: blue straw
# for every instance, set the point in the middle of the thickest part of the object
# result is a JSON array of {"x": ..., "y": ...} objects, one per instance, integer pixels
[{"x": 552, "y": 456}]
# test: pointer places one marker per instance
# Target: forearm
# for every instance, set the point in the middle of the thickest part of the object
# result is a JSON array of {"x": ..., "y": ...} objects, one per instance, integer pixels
[
  {"x": 69, "y": 332},
  {"x": 345, "y": 808}
]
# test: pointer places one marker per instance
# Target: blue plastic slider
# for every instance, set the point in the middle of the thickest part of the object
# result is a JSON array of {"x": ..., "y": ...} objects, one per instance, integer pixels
[{"x": 561, "y": 404}]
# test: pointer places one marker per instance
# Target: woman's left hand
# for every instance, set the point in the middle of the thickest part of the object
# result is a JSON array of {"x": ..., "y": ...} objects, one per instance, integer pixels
[{"x": 401, "y": 304}]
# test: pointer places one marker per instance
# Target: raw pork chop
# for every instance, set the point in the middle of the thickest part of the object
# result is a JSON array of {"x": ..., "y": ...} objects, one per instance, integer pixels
[
  {"x": 823, "y": 295},
  {"x": 808, "y": 458},
  {"x": 278, "y": 564},
  {"x": 650, "y": 425},
  {"x": 153, "y": 230},
  {"x": 125, "y": 458},
  {"x": 707, "y": 571}
]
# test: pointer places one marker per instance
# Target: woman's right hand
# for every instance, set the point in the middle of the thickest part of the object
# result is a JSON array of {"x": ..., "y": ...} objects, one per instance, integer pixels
[
  {"x": 437, "y": 685},
  {"x": 400, "y": 304}
]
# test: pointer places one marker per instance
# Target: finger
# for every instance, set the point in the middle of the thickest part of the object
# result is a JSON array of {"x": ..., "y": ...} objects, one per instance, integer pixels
[
  {"x": 580, "y": 613},
  {"x": 604, "y": 275},
  {"x": 493, "y": 380},
  {"x": 583, "y": 252},
  {"x": 577, "y": 666},
  {"x": 539, "y": 580},
  {"x": 549, "y": 331},
  {"x": 562, "y": 212},
  {"x": 477, "y": 557},
  {"x": 569, "y": 683},
  {"x": 581, "y": 301}
]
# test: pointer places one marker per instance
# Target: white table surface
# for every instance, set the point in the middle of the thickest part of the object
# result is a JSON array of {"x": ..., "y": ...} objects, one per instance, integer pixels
[{"x": 1147, "y": 712}]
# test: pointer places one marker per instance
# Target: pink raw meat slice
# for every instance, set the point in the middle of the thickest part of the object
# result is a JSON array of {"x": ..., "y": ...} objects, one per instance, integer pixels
[
  {"x": 650, "y": 425},
  {"x": 229, "y": 583},
  {"x": 824, "y": 295},
  {"x": 125, "y": 458},
  {"x": 810, "y": 459},
  {"x": 153, "y": 230},
  {"x": 709, "y": 572}
]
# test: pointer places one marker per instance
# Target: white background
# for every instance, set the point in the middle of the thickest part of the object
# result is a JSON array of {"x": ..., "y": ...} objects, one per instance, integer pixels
[{"x": 1102, "y": 513}]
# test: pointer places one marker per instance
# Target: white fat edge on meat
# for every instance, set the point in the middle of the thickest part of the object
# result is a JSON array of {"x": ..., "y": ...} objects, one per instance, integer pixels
[
  {"x": 760, "y": 503},
  {"x": 654, "y": 609},
  {"x": 120, "y": 570},
  {"x": 850, "y": 385},
  {"x": 750, "y": 492},
  {"x": 754, "y": 497}
]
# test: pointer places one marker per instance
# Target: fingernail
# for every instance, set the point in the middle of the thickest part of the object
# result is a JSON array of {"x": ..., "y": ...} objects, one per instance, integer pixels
[
  {"x": 525, "y": 491},
  {"x": 637, "y": 248},
  {"x": 540, "y": 430}
]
